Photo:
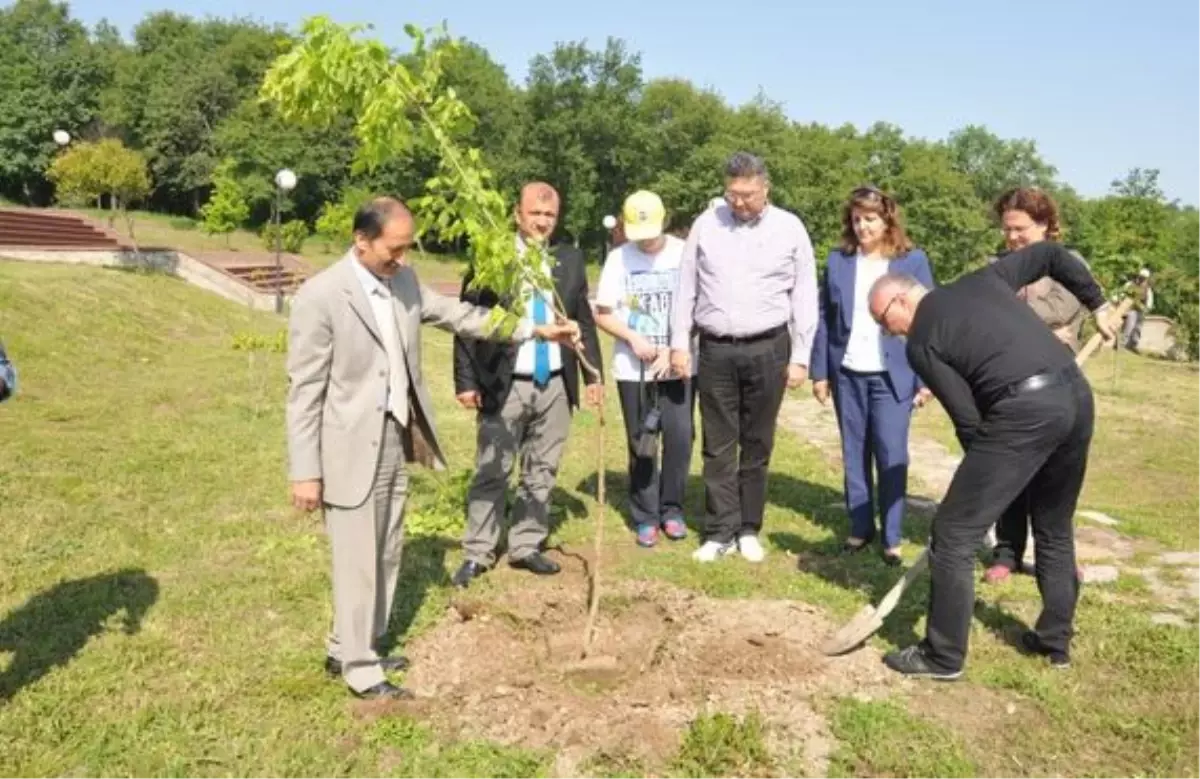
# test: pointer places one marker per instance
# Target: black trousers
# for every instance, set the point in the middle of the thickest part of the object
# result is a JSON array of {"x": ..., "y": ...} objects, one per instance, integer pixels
[
  {"x": 656, "y": 496},
  {"x": 741, "y": 387},
  {"x": 1012, "y": 531},
  {"x": 1035, "y": 442}
]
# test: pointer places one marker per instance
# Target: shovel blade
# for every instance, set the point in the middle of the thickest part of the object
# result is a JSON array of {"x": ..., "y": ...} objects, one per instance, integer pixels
[{"x": 854, "y": 633}]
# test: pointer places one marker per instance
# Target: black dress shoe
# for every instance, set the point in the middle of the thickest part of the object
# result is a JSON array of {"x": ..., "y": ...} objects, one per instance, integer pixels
[
  {"x": 466, "y": 572},
  {"x": 384, "y": 691},
  {"x": 891, "y": 559},
  {"x": 537, "y": 563},
  {"x": 396, "y": 663}
]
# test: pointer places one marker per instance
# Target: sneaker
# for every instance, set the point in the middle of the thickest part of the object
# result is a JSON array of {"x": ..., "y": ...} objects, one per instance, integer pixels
[
  {"x": 675, "y": 529},
  {"x": 750, "y": 548},
  {"x": 1032, "y": 643},
  {"x": 996, "y": 574},
  {"x": 711, "y": 550},
  {"x": 647, "y": 535},
  {"x": 911, "y": 661}
]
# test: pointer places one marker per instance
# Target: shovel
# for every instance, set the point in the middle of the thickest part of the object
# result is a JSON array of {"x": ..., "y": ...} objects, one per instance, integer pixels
[{"x": 864, "y": 624}]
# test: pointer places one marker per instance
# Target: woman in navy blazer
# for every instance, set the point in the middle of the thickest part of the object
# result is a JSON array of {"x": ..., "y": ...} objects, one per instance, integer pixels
[{"x": 865, "y": 370}]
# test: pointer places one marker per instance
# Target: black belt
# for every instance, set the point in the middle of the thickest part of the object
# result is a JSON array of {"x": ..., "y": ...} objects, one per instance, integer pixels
[
  {"x": 529, "y": 376},
  {"x": 1040, "y": 381},
  {"x": 705, "y": 335}
]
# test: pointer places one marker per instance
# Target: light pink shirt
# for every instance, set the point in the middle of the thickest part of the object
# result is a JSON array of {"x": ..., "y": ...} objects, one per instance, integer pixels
[{"x": 739, "y": 279}]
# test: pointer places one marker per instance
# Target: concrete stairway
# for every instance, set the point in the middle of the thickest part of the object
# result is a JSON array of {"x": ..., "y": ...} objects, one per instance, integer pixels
[{"x": 28, "y": 228}]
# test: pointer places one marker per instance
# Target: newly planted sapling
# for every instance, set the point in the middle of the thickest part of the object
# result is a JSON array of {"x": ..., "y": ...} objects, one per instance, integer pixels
[{"x": 402, "y": 106}]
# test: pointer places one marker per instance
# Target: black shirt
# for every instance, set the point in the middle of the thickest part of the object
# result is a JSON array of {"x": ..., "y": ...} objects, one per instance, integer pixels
[{"x": 972, "y": 339}]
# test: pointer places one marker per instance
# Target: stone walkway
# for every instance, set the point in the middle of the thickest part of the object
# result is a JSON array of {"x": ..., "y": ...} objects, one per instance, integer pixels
[{"x": 1173, "y": 578}]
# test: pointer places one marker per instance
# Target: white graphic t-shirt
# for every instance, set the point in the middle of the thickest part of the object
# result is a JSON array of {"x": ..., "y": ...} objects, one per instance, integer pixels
[{"x": 640, "y": 289}]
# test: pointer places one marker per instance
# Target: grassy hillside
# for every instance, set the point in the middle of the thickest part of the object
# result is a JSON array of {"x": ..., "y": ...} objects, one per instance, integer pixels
[{"x": 162, "y": 611}]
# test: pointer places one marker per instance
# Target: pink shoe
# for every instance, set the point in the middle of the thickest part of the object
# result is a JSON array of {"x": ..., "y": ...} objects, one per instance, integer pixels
[{"x": 996, "y": 574}]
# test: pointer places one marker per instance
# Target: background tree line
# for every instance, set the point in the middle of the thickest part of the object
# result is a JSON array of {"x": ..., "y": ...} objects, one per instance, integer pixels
[{"x": 183, "y": 94}]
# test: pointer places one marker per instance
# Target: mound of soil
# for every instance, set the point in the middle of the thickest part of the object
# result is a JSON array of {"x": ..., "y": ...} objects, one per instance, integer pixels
[{"x": 510, "y": 671}]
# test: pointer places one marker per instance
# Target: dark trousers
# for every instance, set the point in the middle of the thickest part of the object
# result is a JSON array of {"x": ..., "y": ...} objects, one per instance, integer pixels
[
  {"x": 1035, "y": 441},
  {"x": 1012, "y": 531},
  {"x": 874, "y": 428},
  {"x": 741, "y": 387},
  {"x": 656, "y": 496}
]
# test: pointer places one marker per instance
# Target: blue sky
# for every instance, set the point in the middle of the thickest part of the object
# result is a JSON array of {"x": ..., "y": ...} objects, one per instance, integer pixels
[{"x": 1101, "y": 87}]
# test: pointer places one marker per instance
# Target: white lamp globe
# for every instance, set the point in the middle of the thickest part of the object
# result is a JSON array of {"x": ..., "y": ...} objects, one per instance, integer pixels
[
  {"x": 62, "y": 137},
  {"x": 285, "y": 180},
  {"x": 609, "y": 222}
]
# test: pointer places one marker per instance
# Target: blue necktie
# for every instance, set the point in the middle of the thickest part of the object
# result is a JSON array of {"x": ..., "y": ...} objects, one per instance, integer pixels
[{"x": 541, "y": 351}]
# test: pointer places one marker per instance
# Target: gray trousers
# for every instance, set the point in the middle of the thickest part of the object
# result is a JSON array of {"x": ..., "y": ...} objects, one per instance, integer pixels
[
  {"x": 366, "y": 542},
  {"x": 533, "y": 424}
]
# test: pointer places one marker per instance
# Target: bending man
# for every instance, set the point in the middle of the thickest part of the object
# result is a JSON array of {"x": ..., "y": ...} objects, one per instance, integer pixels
[{"x": 1023, "y": 412}]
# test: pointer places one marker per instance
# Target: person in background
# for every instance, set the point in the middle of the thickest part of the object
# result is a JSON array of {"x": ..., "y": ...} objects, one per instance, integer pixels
[
  {"x": 1028, "y": 216},
  {"x": 524, "y": 396},
  {"x": 864, "y": 369},
  {"x": 748, "y": 285},
  {"x": 8, "y": 376},
  {"x": 634, "y": 304},
  {"x": 1142, "y": 293}
]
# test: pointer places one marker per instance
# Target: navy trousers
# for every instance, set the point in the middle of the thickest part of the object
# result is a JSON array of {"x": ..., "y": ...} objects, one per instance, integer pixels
[{"x": 874, "y": 426}]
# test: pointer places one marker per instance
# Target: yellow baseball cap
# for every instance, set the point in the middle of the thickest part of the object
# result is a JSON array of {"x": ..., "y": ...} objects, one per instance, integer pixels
[{"x": 643, "y": 216}]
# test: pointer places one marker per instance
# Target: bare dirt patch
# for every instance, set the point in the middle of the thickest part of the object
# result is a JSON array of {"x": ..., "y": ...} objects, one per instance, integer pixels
[{"x": 510, "y": 672}]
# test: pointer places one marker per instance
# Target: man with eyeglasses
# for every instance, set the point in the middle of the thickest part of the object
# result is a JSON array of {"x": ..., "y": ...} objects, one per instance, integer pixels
[
  {"x": 748, "y": 288},
  {"x": 1023, "y": 412}
]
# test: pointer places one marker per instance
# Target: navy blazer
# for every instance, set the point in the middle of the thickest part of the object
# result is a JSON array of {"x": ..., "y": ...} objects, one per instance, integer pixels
[{"x": 836, "y": 305}]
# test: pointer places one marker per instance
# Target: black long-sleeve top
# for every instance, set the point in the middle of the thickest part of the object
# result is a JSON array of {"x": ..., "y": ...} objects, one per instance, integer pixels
[{"x": 972, "y": 339}]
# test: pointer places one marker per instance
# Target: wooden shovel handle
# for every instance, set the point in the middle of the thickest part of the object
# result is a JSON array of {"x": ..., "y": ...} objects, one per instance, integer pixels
[{"x": 1097, "y": 340}]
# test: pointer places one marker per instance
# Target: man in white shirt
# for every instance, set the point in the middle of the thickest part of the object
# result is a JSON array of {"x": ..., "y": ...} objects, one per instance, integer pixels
[{"x": 634, "y": 304}]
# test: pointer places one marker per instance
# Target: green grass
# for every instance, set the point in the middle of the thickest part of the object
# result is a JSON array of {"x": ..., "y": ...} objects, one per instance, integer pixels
[{"x": 162, "y": 611}]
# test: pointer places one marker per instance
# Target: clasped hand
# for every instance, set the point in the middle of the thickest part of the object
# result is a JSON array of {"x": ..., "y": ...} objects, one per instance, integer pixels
[
  {"x": 563, "y": 331},
  {"x": 1104, "y": 323}
]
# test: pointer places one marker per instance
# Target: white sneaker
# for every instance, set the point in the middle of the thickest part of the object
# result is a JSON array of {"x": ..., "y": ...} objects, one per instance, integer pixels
[
  {"x": 710, "y": 551},
  {"x": 750, "y": 548}
]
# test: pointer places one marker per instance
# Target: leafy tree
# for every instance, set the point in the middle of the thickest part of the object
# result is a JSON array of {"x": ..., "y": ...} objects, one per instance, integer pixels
[
  {"x": 86, "y": 171},
  {"x": 227, "y": 209},
  {"x": 49, "y": 81},
  {"x": 335, "y": 225}
]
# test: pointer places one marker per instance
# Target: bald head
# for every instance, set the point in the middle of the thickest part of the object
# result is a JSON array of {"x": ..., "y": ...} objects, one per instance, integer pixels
[
  {"x": 383, "y": 234},
  {"x": 893, "y": 300},
  {"x": 537, "y": 211}
]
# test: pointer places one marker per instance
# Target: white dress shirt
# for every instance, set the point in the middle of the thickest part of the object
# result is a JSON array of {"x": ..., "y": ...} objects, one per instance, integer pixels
[
  {"x": 864, "y": 351},
  {"x": 383, "y": 306},
  {"x": 526, "y": 352}
]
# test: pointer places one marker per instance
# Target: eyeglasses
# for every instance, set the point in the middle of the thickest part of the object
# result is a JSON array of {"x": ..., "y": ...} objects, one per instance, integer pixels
[
  {"x": 879, "y": 320},
  {"x": 743, "y": 197}
]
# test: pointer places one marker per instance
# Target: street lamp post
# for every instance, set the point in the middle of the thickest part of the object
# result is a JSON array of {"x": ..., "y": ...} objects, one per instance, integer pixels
[
  {"x": 609, "y": 222},
  {"x": 285, "y": 181}
]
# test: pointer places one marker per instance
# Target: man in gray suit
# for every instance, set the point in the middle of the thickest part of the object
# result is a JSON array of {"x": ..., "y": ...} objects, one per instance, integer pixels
[{"x": 358, "y": 410}]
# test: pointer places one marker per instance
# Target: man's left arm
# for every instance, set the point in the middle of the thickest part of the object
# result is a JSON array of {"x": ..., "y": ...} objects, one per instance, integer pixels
[
  {"x": 804, "y": 301},
  {"x": 1047, "y": 258},
  {"x": 467, "y": 320}
]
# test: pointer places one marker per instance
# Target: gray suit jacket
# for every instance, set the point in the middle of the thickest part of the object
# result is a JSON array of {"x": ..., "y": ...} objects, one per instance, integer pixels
[{"x": 338, "y": 377}]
